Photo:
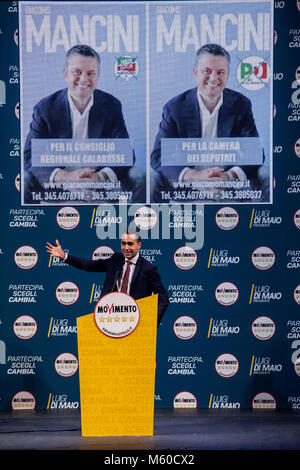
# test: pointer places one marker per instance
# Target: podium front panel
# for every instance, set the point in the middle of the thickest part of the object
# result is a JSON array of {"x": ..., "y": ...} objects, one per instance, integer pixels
[{"x": 117, "y": 376}]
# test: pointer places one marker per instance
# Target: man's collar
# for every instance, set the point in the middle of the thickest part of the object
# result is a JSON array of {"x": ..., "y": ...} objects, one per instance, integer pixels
[
  {"x": 204, "y": 108},
  {"x": 134, "y": 259},
  {"x": 74, "y": 107}
]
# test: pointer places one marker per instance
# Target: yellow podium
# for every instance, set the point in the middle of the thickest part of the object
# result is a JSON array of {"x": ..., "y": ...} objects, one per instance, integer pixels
[{"x": 117, "y": 354}]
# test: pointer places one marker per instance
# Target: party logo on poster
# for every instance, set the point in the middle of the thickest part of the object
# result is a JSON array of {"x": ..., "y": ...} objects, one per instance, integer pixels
[{"x": 126, "y": 67}]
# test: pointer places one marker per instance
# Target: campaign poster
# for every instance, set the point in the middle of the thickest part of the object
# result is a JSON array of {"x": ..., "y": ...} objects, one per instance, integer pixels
[
  {"x": 211, "y": 102},
  {"x": 143, "y": 115},
  {"x": 83, "y": 111}
]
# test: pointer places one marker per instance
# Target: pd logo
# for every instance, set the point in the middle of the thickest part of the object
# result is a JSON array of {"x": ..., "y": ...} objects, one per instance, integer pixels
[
  {"x": 253, "y": 73},
  {"x": 68, "y": 218}
]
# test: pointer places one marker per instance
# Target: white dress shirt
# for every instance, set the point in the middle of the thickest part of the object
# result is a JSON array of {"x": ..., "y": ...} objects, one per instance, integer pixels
[
  {"x": 209, "y": 123},
  {"x": 133, "y": 262},
  {"x": 80, "y": 122}
]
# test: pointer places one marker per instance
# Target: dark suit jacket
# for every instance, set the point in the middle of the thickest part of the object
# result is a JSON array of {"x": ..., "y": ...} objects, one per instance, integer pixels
[
  {"x": 52, "y": 119},
  {"x": 181, "y": 118},
  {"x": 145, "y": 280}
]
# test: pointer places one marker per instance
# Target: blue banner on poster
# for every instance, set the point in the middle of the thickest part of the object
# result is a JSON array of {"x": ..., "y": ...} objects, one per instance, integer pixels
[
  {"x": 81, "y": 153},
  {"x": 208, "y": 152}
]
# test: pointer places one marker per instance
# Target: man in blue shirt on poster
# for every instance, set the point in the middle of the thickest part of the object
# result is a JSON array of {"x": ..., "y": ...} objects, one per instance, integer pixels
[
  {"x": 80, "y": 111},
  {"x": 210, "y": 110}
]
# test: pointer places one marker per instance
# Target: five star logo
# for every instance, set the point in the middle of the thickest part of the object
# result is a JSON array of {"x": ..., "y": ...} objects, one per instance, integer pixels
[
  {"x": 185, "y": 327},
  {"x": 26, "y": 257},
  {"x": 116, "y": 314}
]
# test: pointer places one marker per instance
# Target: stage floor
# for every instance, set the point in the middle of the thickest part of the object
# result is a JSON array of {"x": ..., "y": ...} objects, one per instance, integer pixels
[{"x": 195, "y": 429}]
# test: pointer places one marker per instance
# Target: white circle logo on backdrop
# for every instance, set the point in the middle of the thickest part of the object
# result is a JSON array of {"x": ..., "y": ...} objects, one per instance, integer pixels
[
  {"x": 145, "y": 218},
  {"x": 66, "y": 364},
  {"x": 23, "y": 401},
  {"x": 17, "y": 182},
  {"x": 297, "y": 218},
  {"x": 297, "y": 147},
  {"x": 26, "y": 257},
  {"x": 68, "y": 218},
  {"x": 226, "y": 293},
  {"x": 227, "y": 218},
  {"x": 126, "y": 67},
  {"x": 67, "y": 293},
  {"x": 185, "y": 257},
  {"x": 185, "y": 327},
  {"x": 263, "y": 328},
  {"x": 185, "y": 400},
  {"x": 297, "y": 294},
  {"x": 25, "y": 327},
  {"x": 263, "y": 400},
  {"x": 226, "y": 365},
  {"x": 116, "y": 314},
  {"x": 102, "y": 252},
  {"x": 297, "y": 366},
  {"x": 263, "y": 257}
]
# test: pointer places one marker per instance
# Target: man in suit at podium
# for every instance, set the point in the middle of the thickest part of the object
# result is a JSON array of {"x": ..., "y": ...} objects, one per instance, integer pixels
[{"x": 126, "y": 272}]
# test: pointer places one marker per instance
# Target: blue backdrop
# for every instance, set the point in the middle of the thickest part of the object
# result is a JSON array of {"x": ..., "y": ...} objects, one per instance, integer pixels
[{"x": 231, "y": 335}]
